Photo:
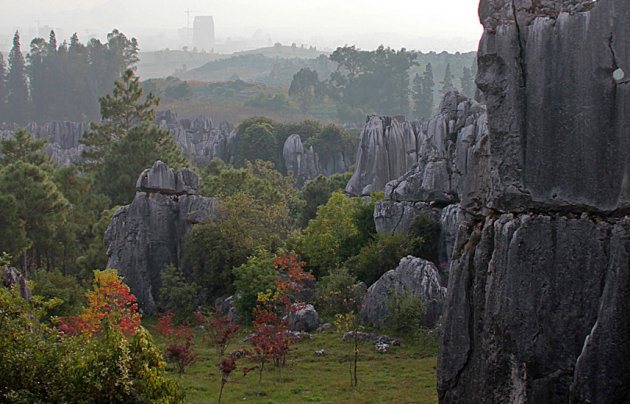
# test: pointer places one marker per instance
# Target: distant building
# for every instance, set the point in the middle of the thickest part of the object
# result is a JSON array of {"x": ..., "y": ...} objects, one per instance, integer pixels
[{"x": 203, "y": 32}]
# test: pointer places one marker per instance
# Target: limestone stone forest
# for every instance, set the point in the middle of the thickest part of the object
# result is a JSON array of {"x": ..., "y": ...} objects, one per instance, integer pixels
[{"x": 475, "y": 251}]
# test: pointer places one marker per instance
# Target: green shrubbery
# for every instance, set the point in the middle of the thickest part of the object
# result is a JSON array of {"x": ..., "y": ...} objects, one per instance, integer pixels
[
  {"x": 177, "y": 295},
  {"x": 40, "y": 363},
  {"x": 257, "y": 275},
  {"x": 406, "y": 312},
  {"x": 53, "y": 284}
]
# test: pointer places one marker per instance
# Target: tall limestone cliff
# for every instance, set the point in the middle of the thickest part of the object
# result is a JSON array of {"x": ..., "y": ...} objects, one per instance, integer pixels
[
  {"x": 147, "y": 235},
  {"x": 422, "y": 166},
  {"x": 537, "y": 303}
]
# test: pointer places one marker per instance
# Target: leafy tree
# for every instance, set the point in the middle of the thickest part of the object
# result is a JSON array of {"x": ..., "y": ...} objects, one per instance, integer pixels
[
  {"x": 177, "y": 295},
  {"x": 80, "y": 229},
  {"x": 256, "y": 199},
  {"x": 120, "y": 111},
  {"x": 468, "y": 83},
  {"x": 372, "y": 81},
  {"x": 53, "y": 284},
  {"x": 337, "y": 293},
  {"x": 315, "y": 193},
  {"x": 23, "y": 148},
  {"x": 256, "y": 276},
  {"x": 257, "y": 142},
  {"x": 379, "y": 256},
  {"x": 95, "y": 256},
  {"x": 447, "y": 82},
  {"x": 328, "y": 237},
  {"x": 212, "y": 249},
  {"x": 305, "y": 87},
  {"x": 39, "y": 363},
  {"x": 109, "y": 304},
  {"x": 16, "y": 83}
]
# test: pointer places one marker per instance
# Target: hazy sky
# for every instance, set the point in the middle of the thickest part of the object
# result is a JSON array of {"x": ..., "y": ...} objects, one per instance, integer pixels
[{"x": 415, "y": 24}]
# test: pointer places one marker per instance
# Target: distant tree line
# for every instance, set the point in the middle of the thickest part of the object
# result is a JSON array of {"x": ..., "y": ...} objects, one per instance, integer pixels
[
  {"x": 377, "y": 82},
  {"x": 61, "y": 81}
]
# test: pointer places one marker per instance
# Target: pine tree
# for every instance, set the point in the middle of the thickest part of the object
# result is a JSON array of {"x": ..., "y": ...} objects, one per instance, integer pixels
[
  {"x": 120, "y": 111},
  {"x": 447, "y": 82},
  {"x": 3, "y": 87},
  {"x": 468, "y": 83},
  {"x": 16, "y": 83},
  {"x": 423, "y": 93}
]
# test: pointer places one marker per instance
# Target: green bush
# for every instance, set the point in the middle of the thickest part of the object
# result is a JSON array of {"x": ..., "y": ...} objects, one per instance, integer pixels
[
  {"x": 406, "y": 312},
  {"x": 425, "y": 233},
  {"x": 379, "y": 256},
  {"x": 53, "y": 284},
  {"x": 337, "y": 292},
  {"x": 257, "y": 275},
  {"x": 177, "y": 295},
  {"x": 38, "y": 364}
]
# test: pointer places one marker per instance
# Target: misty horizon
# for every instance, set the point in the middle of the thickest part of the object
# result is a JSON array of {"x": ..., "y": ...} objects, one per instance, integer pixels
[{"x": 451, "y": 26}]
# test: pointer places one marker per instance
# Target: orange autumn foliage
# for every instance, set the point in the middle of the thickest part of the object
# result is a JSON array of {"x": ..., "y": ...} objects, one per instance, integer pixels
[{"x": 109, "y": 301}]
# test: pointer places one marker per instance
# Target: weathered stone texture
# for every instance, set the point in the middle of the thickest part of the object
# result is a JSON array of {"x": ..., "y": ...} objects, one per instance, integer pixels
[
  {"x": 538, "y": 292},
  {"x": 147, "y": 235},
  {"x": 523, "y": 294},
  {"x": 413, "y": 276}
]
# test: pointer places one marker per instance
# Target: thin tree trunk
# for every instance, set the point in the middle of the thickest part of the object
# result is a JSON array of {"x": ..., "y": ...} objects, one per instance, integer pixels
[
  {"x": 262, "y": 367},
  {"x": 221, "y": 391}
]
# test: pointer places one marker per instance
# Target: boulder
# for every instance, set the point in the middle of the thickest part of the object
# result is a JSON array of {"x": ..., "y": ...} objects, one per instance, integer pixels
[
  {"x": 305, "y": 318},
  {"x": 413, "y": 276},
  {"x": 226, "y": 306}
]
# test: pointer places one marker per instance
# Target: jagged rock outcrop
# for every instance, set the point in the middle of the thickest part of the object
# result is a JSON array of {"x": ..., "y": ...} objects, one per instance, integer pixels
[
  {"x": 387, "y": 150},
  {"x": 62, "y": 136},
  {"x": 147, "y": 235},
  {"x": 445, "y": 148},
  {"x": 199, "y": 139},
  {"x": 306, "y": 163},
  {"x": 12, "y": 278},
  {"x": 538, "y": 292},
  {"x": 414, "y": 276}
]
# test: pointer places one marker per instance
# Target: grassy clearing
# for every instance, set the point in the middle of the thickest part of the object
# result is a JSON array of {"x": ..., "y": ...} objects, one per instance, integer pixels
[{"x": 405, "y": 374}]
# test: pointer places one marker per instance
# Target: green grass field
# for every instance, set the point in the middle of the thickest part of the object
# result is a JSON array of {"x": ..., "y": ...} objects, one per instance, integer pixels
[{"x": 405, "y": 374}]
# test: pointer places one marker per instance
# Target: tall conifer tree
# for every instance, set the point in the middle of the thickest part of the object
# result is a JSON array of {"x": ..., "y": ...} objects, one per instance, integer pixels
[
  {"x": 16, "y": 83},
  {"x": 3, "y": 87},
  {"x": 447, "y": 82}
]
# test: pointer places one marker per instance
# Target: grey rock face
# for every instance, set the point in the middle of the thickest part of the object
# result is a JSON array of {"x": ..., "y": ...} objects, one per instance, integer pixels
[
  {"x": 306, "y": 163},
  {"x": 304, "y": 319},
  {"x": 390, "y": 216},
  {"x": 160, "y": 178},
  {"x": 556, "y": 124},
  {"x": 523, "y": 295},
  {"x": 387, "y": 149},
  {"x": 413, "y": 276},
  {"x": 227, "y": 307},
  {"x": 424, "y": 160},
  {"x": 12, "y": 278},
  {"x": 147, "y": 235},
  {"x": 535, "y": 301}
]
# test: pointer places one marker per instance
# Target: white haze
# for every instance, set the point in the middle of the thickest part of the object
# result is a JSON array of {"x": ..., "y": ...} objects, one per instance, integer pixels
[{"x": 437, "y": 25}]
